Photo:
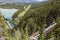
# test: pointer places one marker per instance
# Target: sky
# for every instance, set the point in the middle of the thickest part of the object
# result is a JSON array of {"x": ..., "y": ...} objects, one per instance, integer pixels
[{"x": 21, "y": 0}]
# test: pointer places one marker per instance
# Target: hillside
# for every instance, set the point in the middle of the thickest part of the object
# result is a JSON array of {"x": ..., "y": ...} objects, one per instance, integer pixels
[
  {"x": 38, "y": 19},
  {"x": 33, "y": 21}
]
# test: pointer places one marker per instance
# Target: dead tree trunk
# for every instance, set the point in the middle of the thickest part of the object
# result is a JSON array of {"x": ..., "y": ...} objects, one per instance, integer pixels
[{"x": 47, "y": 31}]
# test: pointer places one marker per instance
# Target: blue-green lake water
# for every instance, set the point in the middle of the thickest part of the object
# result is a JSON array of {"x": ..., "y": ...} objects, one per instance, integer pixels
[{"x": 8, "y": 13}]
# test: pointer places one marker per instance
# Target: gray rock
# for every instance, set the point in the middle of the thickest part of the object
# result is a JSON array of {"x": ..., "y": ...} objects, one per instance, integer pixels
[{"x": 2, "y": 38}]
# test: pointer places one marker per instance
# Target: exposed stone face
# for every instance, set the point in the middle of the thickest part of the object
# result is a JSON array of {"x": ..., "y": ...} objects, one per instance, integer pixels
[
  {"x": 2, "y": 38},
  {"x": 1, "y": 31}
]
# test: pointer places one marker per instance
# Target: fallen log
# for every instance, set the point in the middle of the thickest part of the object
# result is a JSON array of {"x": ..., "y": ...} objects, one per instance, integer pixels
[{"x": 50, "y": 28}]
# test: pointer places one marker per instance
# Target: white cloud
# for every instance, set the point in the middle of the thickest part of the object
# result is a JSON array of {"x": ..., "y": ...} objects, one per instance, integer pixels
[{"x": 41, "y": 0}]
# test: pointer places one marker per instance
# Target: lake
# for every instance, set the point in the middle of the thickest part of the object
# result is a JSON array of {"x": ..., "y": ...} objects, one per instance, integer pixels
[{"x": 8, "y": 13}]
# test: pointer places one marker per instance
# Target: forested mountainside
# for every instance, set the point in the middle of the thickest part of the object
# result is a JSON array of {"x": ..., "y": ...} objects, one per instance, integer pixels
[
  {"x": 38, "y": 19},
  {"x": 21, "y": 5},
  {"x": 2, "y": 21},
  {"x": 32, "y": 22},
  {"x": 33, "y": 7}
]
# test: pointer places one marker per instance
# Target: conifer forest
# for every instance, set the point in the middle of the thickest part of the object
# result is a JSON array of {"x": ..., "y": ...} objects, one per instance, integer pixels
[{"x": 30, "y": 20}]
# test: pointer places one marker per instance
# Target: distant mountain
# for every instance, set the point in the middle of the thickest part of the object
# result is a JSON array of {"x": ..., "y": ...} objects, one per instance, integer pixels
[{"x": 21, "y": 1}]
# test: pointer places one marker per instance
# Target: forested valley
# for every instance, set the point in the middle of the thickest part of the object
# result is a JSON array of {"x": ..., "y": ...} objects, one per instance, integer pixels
[{"x": 35, "y": 21}]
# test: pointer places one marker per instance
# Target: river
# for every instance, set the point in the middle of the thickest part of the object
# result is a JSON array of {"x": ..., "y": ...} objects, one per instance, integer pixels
[{"x": 8, "y": 13}]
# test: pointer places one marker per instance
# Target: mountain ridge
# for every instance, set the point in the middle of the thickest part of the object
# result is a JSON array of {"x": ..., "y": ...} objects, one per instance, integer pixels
[{"x": 21, "y": 1}]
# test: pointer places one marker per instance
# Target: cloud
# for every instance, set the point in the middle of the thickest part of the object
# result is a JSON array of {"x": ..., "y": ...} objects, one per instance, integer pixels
[{"x": 40, "y": 0}]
